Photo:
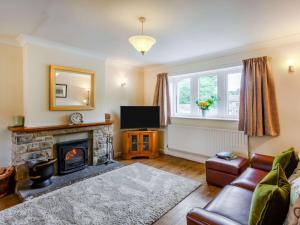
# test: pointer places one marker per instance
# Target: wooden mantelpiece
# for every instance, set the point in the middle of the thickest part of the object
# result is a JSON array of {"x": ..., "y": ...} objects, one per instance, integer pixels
[{"x": 56, "y": 127}]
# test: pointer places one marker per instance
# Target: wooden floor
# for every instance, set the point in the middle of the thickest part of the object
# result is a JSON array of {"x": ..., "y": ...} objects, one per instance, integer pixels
[{"x": 176, "y": 216}]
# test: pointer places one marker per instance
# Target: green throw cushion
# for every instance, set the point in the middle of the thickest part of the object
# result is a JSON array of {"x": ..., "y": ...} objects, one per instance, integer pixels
[
  {"x": 270, "y": 200},
  {"x": 288, "y": 161}
]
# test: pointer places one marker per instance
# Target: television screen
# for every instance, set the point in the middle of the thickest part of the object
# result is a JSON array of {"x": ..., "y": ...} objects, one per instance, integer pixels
[{"x": 139, "y": 117}]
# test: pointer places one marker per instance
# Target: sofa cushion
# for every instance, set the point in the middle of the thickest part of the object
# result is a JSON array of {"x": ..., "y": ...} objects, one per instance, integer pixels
[
  {"x": 288, "y": 160},
  {"x": 262, "y": 162},
  {"x": 229, "y": 200},
  {"x": 249, "y": 178},
  {"x": 270, "y": 199}
]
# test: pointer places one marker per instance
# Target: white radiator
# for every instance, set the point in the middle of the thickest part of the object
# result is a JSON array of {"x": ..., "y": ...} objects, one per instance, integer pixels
[{"x": 206, "y": 141}]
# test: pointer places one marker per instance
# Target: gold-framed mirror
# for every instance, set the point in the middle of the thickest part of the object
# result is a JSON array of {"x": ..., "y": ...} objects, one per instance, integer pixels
[{"x": 71, "y": 88}]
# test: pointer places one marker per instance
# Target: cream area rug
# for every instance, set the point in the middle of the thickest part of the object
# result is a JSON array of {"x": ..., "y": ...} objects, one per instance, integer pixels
[{"x": 132, "y": 195}]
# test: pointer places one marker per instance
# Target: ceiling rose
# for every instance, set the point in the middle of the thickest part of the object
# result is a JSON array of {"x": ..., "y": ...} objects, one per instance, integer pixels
[{"x": 142, "y": 43}]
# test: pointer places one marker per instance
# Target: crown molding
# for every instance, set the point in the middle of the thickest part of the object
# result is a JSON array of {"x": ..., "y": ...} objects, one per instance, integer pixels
[
  {"x": 9, "y": 40},
  {"x": 24, "y": 40},
  {"x": 272, "y": 43}
]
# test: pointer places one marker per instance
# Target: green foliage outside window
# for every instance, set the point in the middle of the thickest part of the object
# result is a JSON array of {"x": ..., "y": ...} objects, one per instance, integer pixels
[
  {"x": 208, "y": 87},
  {"x": 184, "y": 91}
]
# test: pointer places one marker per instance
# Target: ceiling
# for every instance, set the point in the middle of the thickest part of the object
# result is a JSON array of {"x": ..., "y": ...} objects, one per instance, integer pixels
[{"x": 183, "y": 29}]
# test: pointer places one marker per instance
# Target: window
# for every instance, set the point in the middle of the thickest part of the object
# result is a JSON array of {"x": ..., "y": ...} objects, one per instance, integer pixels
[
  {"x": 208, "y": 87},
  {"x": 233, "y": 94},
  {"x": 222, "y": 84},
  {"x": 184, "y": 96}
]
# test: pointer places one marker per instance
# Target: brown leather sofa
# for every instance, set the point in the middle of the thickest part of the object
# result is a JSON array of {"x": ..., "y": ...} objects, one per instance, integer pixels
[{"x": 232, "y": 205}]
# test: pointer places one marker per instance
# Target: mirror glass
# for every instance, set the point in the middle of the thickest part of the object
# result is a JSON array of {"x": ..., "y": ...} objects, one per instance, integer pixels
[{"x": 71, "y": 90}]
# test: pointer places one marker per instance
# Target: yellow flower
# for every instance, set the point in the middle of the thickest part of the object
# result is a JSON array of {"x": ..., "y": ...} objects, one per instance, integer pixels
[{"x": 203, "y": 104}]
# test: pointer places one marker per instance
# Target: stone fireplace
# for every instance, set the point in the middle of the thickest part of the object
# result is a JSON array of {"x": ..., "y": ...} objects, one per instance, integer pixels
[{"x": 45, "y": 141}]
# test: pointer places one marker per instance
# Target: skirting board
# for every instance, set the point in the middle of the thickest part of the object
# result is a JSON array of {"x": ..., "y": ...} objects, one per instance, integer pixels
[
  {"x": 185, "y": 155},
  {"x": 117, "y": 154}
]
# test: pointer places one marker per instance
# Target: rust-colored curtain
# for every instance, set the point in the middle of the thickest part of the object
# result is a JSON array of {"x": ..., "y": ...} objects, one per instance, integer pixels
[
  {"x": 162, "y": 98},
  {"x": 258, "y": 107}
]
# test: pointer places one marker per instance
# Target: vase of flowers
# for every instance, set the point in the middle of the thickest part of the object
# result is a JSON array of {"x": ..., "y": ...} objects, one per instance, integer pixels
[
  {"x": 203, "y": 112},
  {"x": 206, "y": 104}
]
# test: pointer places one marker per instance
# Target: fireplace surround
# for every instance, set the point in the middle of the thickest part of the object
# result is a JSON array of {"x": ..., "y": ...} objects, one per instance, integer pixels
[
  {"x": 72, "y": 156},
  {"x": 43, "y": 140}
]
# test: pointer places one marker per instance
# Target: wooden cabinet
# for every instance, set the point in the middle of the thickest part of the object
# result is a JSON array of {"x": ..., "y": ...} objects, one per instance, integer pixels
[{"x": 140, "y": 144}]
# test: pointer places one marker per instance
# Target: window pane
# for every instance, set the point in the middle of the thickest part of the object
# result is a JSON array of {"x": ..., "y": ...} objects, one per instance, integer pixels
[
  {"x": 233, "y": 92},
  {"x": 208, "y": 87},
  {"x": 184, "y": 96}
]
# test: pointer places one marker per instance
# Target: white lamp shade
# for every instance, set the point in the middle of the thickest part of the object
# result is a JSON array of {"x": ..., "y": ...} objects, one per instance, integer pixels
[{"x": 142, "y": 43}]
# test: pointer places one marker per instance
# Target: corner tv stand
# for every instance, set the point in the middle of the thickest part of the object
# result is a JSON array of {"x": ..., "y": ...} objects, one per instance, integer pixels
[{"x": 140, "y": 143}]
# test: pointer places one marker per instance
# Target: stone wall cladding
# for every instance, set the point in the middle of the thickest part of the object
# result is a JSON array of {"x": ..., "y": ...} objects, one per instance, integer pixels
[
  {"x": 25, "y": 144},
  {"x": 100, "y": 145}
]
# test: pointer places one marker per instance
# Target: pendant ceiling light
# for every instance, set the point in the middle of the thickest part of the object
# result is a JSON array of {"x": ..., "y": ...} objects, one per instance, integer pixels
[{"x": 142, "y": 43}]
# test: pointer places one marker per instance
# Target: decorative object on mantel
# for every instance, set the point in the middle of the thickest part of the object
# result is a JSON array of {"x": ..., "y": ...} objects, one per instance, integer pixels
[
  {"x": 40, "y": 171},
  {"x": 76, "y": 118},
  {"x": 7, "y": 182},
  {"x": 107, "y": 117},
  {"x": 205, "y": 104},
  {"x": 142, "y": 43},
  {"x": 18, "y": 121}
]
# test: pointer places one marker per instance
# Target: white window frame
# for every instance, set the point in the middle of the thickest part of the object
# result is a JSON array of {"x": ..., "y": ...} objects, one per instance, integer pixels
[{"x": 222, "y": 92}]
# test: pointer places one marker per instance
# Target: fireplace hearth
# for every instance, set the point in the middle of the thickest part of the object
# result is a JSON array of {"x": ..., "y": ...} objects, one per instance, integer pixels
[{"x": 72, "y": 156}]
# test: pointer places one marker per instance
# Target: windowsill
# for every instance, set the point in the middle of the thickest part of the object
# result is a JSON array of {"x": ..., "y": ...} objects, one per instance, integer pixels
[{"x": 206, "y": 118}]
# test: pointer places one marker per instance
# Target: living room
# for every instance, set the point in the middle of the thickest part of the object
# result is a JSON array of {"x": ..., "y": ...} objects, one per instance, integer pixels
[{"x": 168, "y": 89}]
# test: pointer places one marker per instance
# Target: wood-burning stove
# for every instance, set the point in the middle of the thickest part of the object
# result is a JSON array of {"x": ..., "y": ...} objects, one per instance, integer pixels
[{"x": 72, "y": 156}]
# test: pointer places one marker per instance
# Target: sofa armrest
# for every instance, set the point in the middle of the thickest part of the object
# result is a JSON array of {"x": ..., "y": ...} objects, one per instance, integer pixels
[
  {"x": 262, "y": 162},
  {"x": 198, "y": 216}
]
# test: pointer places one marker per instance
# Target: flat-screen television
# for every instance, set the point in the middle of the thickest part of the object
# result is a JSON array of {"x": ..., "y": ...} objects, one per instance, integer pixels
[{"x": 139, "y": 117}]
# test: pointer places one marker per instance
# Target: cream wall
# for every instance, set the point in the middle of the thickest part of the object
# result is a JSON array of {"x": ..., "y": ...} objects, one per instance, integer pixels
[
  {"x": 24, "y": 88},
  {"x": 11, "y": 102},
  {"x": 116, "y": 95},
  {"x": 287, "y": 87},
  {"x": 37, "y": 60},
  {"x": 109, "y": 93}
]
